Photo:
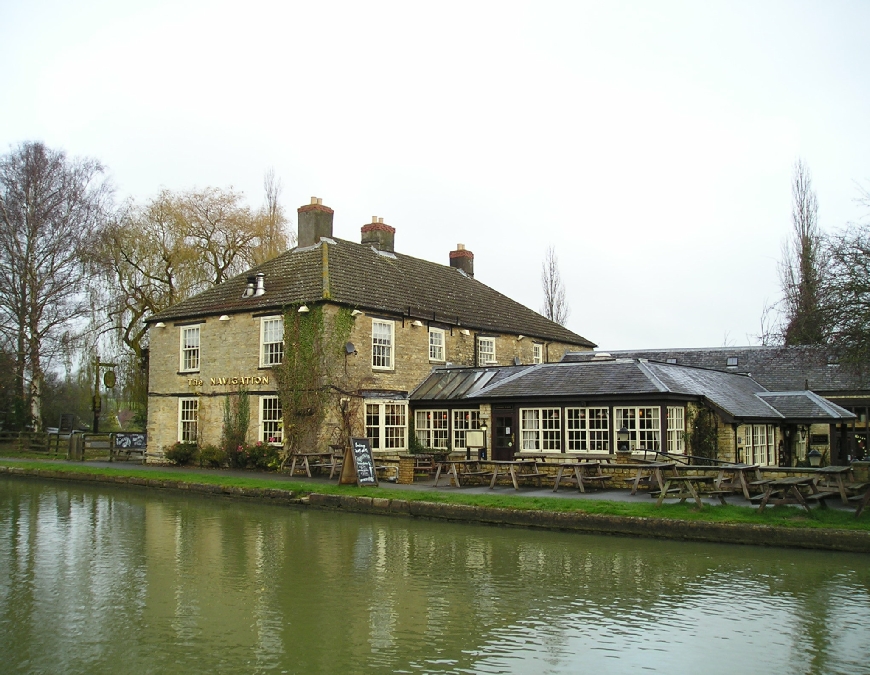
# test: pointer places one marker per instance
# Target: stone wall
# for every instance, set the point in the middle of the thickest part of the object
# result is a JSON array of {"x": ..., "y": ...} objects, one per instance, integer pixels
[{"x": 230, "y": 359}]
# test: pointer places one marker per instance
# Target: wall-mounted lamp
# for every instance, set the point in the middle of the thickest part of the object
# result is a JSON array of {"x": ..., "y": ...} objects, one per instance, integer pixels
[
  {"x": 417, "y": 323},
  {"x": 303, "y": 309},
  {"x": 465, "y": 331},
  {"x": 815, "y": 457},
  {"x": 803, "y": 433},
  {"x": 160, "y": 324},
  {"x": 224, "y": 317},
  {"x": 520, "y": 337},
  {"x": 355, "y": 312}
]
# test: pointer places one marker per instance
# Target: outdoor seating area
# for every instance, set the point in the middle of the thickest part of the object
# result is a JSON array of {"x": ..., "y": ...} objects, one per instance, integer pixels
[{"x": 740, "y": 484}]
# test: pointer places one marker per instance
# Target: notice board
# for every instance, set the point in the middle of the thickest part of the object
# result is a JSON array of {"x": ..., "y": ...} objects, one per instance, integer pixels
[{"x": 359, "y": 464}]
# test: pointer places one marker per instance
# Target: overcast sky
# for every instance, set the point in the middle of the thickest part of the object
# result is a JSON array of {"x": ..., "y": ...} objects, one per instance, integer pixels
[{"x": 651, "y": 143}]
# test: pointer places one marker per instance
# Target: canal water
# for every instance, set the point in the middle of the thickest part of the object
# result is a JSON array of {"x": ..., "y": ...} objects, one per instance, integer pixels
[{"x": 102, "y": 580}]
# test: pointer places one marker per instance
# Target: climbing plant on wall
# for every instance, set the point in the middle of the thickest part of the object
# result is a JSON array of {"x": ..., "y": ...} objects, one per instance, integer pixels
[
  {"x": 311, "y": 372},
  {"x": 702, "y": 432}
]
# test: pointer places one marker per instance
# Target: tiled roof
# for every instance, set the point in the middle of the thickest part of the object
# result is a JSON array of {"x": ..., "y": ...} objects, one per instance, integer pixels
[
  {"x": 359, "y": 276},
  {"x": 736, "y": 395},
  {"x": 804, "y": 405},
  {"x": 777, "y": 368}
]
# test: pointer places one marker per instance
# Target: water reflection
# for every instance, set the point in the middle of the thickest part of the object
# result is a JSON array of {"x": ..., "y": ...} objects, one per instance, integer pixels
[{"x": 131, "y": 581}]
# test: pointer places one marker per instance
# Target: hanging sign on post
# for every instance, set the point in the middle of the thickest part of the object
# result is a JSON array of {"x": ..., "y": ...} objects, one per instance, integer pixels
[{"x": 359, "y": 464}]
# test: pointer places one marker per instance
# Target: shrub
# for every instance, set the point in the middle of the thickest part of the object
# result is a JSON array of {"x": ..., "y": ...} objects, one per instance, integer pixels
[
  {"x": 263, "y": 456},
  {"x": 212, "y": 456},
  {"x": 180, "y": 453}
]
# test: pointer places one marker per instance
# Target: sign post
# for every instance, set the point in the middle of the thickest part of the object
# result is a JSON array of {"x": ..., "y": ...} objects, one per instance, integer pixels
[{"x": 359, "y": 465}]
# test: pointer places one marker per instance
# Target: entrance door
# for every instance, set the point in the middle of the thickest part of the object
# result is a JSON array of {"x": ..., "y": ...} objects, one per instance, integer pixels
[{"x": 504, "y": 441}]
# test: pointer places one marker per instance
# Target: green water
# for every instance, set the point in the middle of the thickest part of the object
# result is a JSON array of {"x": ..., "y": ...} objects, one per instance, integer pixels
[{"x": 102, "y": 580}]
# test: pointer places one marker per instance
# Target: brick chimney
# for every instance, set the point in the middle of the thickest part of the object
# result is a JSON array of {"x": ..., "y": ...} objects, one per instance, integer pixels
[
  {"x": 379, "y": 235},
  {"x": 462, "y": 259},
  {"x": 315, "y": 222}
]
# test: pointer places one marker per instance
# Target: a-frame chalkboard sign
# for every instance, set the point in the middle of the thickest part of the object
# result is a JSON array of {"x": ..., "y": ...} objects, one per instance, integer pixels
[{"x": 359, "y": 465}]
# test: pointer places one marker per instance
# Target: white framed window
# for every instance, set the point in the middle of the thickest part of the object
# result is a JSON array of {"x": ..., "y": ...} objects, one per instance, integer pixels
[
  {"x": 643, "y": 425},
  {"x": 588, "y": 429},
  {"x": 188, "y": 420},
  {"x": 464, "y": 420},
  {"x": 436, "y": 345},
  {"x": 387, "y": 424},
  {"x": 541, "y": 429},
  {"x": 271, "y": 340},
  {"x": 431, "y": 428},
  {"x": 382, "y": 344},
  {"x": 189, "y": 349},
  {"x": 676, "y": 430},
  {"x": 537, "y": 353},
  {"x": 758, "y": 446},
  {"x": 485, "y": 350},
  {"x": 271, "y": 420}
]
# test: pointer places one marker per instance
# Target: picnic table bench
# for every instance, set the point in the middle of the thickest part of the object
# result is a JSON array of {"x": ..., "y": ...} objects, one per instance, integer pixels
[
  {"x": 581, "y": 474},
  {"x": 460, "y": 469}
]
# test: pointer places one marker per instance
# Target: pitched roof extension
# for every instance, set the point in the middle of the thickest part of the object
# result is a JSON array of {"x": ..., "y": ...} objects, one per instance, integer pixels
[
  {"x": 737, "y": 396},
  {"x": 356, "y": 275},
  {"x": 777, "y": 368}
]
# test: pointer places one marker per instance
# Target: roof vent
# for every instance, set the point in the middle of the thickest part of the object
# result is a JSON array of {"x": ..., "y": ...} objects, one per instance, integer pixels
[
  {"x": 261, "y": 286},
  {"x": 249, "y": 288}
]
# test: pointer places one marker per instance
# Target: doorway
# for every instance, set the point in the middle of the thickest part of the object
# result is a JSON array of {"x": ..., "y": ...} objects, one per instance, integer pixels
[{"x": 504, "y": 440}]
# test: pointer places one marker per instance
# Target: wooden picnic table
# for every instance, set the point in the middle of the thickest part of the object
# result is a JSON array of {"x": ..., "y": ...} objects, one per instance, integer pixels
[
  {"x": 459, "y": 469},
  {"x": 652, "y": 472},
  {"x": 737, "y": 478},
  {"x": 789, "y": 490},
  {"x": 522, "y": 468},
  {"x": 319, "y": 461},
  {"x": 683, "y": 487},
  {"x": 842, "y": 478},
  {"x": 584, "y": 473}
]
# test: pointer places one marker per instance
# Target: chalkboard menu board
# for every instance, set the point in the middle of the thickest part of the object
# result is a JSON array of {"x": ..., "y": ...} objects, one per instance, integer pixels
[{"x": 362, "y": 461}]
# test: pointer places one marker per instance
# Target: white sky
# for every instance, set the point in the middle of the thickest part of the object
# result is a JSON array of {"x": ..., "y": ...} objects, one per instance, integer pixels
[{"x": 652, "y": 143}]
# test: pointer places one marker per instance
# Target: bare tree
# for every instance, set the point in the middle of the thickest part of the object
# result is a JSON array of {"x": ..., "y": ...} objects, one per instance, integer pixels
[
  {"x": 802, "y": 268},
  {"x": 555, "y": 305},
  {"x": 50, "y": 209},
  {"x": 275, "y": 239}
]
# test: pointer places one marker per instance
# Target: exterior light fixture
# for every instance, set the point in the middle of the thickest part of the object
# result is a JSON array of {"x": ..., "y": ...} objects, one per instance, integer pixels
[
  {"x": 160, "y": 324},
  {"x": 484, "y": 429},
  {"x": 304, "y": 309},
  {"x": 815, "y": 458},
  {"x": 355, "y": 312},
  {"x": 622, "y": 438},
  {"x": 224, "y": 317},
  {"x": 417, "y": 323},
  {"x": 465, "y": 331},
  {"x": 520, "y": 337}
]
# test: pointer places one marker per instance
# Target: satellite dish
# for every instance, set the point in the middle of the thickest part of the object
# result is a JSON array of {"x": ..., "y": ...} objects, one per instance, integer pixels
[{"x": 349, "y": 348}]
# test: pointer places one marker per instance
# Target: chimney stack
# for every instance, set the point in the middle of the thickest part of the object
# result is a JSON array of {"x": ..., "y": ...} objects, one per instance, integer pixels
[
  {"x": 379, "y": 235},
  {"x": 315, "y": 222},
  {"x": 462, "y": 259}
]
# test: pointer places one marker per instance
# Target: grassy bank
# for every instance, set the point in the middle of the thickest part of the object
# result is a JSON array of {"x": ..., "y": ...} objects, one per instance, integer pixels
[{"x": 778, "y": 516}]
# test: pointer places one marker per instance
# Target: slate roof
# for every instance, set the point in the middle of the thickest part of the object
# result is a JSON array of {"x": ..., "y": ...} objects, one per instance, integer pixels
[
  {"x": 777, "y": 368},
  {"x": 359, "y": 276},
  {"x": 738, "y": 396}
]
